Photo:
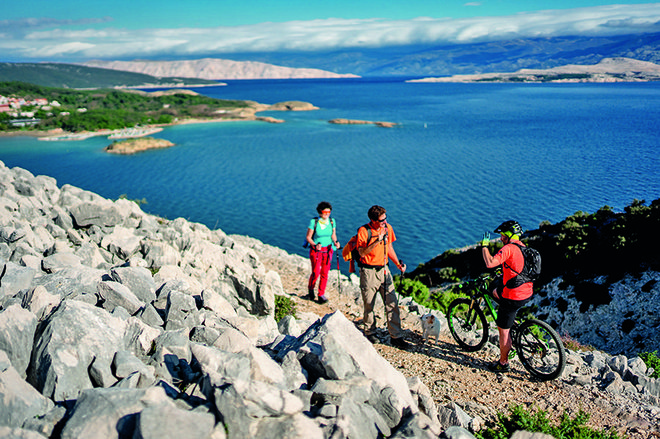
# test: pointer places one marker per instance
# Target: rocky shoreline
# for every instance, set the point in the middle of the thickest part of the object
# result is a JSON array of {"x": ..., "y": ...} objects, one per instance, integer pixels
[{"x": 117, "y": 323}]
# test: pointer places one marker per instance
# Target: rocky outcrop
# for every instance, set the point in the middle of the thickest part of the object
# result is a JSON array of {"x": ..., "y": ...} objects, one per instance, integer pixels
[
  {"x": 619, "y": 318},
  {"x": 361, "y": 122},
  {"x": 131, "y": 146},
  {"x": 292, "y": 106},
  {"x": 116, "y": 323}
]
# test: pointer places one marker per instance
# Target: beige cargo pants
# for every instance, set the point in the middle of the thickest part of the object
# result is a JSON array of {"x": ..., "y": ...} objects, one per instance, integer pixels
[{"x": 372, "y": 281}]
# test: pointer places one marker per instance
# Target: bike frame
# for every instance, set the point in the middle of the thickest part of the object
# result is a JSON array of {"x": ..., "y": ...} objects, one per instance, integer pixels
[
  {"x": 485, "y": 295},
  {"x": 538, "y": 345}
]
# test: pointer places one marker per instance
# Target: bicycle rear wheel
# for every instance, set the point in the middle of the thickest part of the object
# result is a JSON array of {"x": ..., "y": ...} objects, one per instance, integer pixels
[
  {"x": 467, "y": 324},
  {"x": 540, "y": 349}
]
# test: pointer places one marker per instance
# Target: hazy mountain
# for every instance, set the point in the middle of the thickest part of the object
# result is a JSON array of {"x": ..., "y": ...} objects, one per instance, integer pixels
[
  {"x": 451, "y": 59},
  {"x": 607, "y": 70},
  {"x": 76, "y": 76},
  {"x": 211, "y": 68}
]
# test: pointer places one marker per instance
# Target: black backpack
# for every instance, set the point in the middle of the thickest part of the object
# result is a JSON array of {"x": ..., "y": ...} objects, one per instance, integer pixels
[{"x": 531, "y": 267}]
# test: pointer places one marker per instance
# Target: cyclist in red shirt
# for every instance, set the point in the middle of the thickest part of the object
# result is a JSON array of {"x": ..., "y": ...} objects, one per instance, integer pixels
[{"x": 510, "y": 300}]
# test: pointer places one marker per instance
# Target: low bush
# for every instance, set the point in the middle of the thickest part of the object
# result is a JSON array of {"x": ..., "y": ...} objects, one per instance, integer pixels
[
  {"x": 651, "y": 360},
  {"x": 520, "y": 418},
  {"x": 284, "y": 306},
  {"x": 574, "y": 345}
]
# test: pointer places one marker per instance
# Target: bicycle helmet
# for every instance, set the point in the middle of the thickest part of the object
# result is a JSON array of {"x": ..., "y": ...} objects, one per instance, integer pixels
[{"x": 509, "y": 228}]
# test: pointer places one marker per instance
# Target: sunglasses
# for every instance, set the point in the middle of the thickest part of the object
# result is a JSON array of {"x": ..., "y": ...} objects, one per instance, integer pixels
[{"x": 384, "y": 220}]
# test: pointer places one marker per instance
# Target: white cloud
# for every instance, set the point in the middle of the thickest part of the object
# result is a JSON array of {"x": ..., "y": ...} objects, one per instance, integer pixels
[{"x": 320, "y": 34}]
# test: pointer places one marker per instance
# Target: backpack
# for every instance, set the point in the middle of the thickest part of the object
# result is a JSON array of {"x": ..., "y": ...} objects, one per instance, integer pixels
[
  {"x": 316, "y": 222},
  {"x": 531, "y": 268},
  {"x": 350, "y": 252}
]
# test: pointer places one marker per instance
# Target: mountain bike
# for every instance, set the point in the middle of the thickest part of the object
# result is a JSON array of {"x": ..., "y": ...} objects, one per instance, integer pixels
[{"x": 537, "y": 345}]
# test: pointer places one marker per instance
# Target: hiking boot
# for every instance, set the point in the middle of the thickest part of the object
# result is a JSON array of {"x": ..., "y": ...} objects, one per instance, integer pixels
[
  {"x": 372, "y": 338},
  {"x": 310, "y": 295},
  {"x": 498, "y": 367},
  {"x": 400, "y": 343},
  {"x": 322, "y": 299}
]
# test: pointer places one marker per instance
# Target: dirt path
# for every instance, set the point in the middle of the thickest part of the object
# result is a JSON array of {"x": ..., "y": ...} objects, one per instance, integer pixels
[{"x": 461, "y": 377}]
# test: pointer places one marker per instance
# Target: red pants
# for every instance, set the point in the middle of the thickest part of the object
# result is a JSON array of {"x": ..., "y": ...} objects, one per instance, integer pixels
[{"x": 321, "y": 261}]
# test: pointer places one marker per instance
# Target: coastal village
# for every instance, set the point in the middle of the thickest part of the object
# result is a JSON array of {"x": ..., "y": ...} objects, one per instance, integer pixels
[
  {"x": 24, "y": 110},
  {"x": 24, "y": 113}
]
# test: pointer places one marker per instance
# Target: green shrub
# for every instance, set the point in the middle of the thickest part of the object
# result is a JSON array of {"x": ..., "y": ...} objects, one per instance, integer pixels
[
  {"x": 520, "y": 418},
  {"x": 438, "y": 299},
  {"x": 651, "y": 360},
  {"x": 284, "y": 306}
]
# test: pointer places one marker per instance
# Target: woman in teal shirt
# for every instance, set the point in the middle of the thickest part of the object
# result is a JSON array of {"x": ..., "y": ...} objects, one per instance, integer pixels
[{"x": 322, "y": 239}]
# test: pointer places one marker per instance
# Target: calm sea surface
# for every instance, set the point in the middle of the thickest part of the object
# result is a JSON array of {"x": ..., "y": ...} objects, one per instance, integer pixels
[{"x": 463, "y": 158}]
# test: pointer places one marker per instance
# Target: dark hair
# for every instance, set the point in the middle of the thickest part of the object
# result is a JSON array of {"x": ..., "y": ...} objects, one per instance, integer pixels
[
  {"x": 375, "y": 212},
  {"x": 323, "y": 205}
]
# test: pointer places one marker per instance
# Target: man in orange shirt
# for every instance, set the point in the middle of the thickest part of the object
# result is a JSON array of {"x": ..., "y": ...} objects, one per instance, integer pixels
[
  {"x": 374, "y": 244},
  {"x": 510, "y": 296}
]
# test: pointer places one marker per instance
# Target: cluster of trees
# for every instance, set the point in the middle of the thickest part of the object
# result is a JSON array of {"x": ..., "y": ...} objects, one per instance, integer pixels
[{"x": 111, "y": 109}]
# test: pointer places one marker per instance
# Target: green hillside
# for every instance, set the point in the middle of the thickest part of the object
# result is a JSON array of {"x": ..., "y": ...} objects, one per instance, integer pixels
[
  {"x": 75, "y": 76},
  {"x": 91, "y": 110}
]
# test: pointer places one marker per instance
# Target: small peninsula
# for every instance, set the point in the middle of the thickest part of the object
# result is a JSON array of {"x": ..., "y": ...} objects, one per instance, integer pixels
[
  {"x": 132, "y": 146},
  {"x": 63, "y": 114},
  {"x": 607, "y": 70}
]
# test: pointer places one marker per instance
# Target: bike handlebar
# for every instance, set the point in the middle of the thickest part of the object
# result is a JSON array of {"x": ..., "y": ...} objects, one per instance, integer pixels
[{"x": 479, "y": 283}]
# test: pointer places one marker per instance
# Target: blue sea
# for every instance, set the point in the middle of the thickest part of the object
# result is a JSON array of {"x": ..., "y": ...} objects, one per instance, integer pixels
[{"x": 462, "y": 159}]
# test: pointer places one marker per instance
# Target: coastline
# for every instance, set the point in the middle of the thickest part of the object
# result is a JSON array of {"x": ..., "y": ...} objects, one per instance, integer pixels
[
  {"x": 46, "y": 135},
  {"x": 245, "y": 114}
]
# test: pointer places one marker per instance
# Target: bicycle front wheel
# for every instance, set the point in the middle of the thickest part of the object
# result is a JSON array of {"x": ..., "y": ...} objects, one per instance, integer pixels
[
  {"x": 540, "y": 349},
  {"x": 467, "y": 324}
]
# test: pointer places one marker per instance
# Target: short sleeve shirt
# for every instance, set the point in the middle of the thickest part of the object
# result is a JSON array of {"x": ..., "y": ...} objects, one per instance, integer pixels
[
  {"x": 511, "y": 258},
  {"x": 323, "y": 233},
  {"x": 377, "y": 255}
]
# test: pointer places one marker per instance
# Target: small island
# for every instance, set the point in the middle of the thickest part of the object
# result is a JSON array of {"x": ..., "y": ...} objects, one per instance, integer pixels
[
  {"x": 361, "y": 122},
  {"x": 131, "y": 146}
]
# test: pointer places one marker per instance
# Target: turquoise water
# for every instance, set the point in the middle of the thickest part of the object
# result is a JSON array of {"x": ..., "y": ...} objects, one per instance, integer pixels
[{"x": 463, "y": 158}]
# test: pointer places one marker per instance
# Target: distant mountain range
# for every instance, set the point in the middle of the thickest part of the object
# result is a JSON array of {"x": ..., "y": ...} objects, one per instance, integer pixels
[
  {"x": 76, "y": 76},
  {"x": 445, "y": 60},
  {"x": 607, "y": 70},
  {"x": 212, "y": 68},
  {"x": 408, "y": 61},
  {"x": 452, "y": 59}
]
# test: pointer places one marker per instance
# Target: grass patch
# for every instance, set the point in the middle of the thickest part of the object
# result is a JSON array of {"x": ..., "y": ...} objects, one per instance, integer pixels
[
  {"x": 284, "y": 306},
  {"x": 568, "y": 427}
]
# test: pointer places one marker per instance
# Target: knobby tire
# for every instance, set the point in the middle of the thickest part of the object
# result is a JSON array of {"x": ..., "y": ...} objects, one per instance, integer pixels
[
  {"x": 467, "y": 324},
  {"x": 540, "y": 349}
]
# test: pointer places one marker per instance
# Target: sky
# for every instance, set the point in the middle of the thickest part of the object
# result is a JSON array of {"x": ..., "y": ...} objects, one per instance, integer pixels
[{"x": 80, "y": 30}]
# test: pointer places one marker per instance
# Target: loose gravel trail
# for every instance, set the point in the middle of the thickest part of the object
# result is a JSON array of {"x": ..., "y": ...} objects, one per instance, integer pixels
[{"x": 462, "y": 378}]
